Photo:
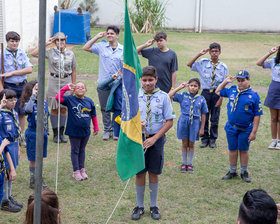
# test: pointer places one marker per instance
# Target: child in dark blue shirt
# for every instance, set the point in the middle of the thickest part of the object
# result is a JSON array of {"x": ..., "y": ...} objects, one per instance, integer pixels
[
  {"x": 10, "y": 130},
  {"x": 29, "y": 105},
  {"x": 81, "y": 111},
  {"x": 193, "y": 108}
]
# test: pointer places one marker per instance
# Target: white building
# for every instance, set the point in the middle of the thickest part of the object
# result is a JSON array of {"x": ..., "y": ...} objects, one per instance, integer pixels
[
  {"x": 222, "y": 15},
  {"x": 22, "y": 16}
]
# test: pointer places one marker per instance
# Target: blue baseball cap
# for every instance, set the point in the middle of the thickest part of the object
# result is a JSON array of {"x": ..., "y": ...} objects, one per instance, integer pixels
[{"x": 242, "y": 74}]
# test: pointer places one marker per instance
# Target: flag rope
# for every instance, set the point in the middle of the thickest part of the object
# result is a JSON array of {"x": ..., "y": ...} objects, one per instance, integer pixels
[{"x": 117, "y": 202}]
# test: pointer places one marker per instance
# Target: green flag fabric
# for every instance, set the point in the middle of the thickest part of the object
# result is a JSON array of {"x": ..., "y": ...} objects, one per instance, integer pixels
[{"x": 130, "y": 155}]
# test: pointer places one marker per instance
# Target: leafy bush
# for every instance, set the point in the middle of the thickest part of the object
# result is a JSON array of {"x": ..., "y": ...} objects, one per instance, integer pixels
[{"x": 148, "y": 15}]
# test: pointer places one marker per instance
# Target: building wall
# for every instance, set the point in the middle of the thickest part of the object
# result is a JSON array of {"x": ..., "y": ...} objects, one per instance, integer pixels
[
  {"x": 232, "y": 15},
  {"x": 22, "y": 16}
]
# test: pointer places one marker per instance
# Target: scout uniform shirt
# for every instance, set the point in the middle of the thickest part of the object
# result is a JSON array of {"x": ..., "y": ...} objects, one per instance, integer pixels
[
  {"x": 275, "y": 69},
  {"x": 31, "y": 109},
  {"x": 199, "y": 106},
  {"x": 110, "y": 61},
  {"x": 204, "y": 67},
  {"x": 161, "y": 110},
  {"x": 17, "y": 62},
  {"x": 248, "y": 106}
]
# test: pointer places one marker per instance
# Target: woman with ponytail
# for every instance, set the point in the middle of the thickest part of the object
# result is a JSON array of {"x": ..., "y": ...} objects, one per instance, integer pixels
[{"x": 273, "y": 96}]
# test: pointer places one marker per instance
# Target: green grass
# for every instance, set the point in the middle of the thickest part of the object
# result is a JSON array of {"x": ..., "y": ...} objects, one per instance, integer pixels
[{"x": 183, "y": 198}]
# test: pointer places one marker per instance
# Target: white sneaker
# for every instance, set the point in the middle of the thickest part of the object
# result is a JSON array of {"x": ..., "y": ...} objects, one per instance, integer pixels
[
  {"x": 278, "y": 145},
  {"x": 106, "y": 136},
  {"x": 273, "y": 144}
]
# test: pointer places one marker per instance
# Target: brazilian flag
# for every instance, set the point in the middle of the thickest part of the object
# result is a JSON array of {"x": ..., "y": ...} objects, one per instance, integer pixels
[{"x": 130, "y": 154}]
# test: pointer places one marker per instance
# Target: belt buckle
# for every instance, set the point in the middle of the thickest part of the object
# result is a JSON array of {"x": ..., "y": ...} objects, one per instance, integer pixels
[
  {"x": 211, "y": 90},
  {"x": 17, "y": 84},
  {"x": 147, "y": 135}
]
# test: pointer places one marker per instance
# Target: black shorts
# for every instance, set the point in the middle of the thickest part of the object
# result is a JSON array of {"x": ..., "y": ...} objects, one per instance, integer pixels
[{"x": 154, "y": 157}]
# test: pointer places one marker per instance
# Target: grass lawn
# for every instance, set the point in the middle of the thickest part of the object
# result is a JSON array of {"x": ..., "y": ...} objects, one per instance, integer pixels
[{"x": 196, "y": 198}]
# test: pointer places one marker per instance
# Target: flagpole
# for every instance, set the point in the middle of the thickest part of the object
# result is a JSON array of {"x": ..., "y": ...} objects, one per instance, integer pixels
[{"x": 40, "y": 114}]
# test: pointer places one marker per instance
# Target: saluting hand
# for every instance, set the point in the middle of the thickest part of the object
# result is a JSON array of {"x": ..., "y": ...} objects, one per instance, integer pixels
[
  {"x": 71, "y": 86},
  {"x": 101, "y": 35},
  {"x": 230, "y": 79},
  {"x": 204, "y": 51},
  {"x": 50, "y": 41},
  {"x": 3, "y": 101},
  {"x": 150, "y": 42},
  {"x": 273, "y": 50}
]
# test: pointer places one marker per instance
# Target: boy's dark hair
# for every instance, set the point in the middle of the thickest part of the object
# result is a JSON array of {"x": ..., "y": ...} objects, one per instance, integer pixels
[
  {"x": 12, "y": 35},
  {"x": 195, "y": 80},
  {"x": 27, "y": 92},
  {"x": 149, "y": 71},
  {"x": 277, "y": 58},
  {"x": 160, "y": 35},
  {"x": 115, "y": 28},
  {"x": 257, "y": 207},
  {"x": 215, "y": 45},
  {"x": 9, "y": 93}
]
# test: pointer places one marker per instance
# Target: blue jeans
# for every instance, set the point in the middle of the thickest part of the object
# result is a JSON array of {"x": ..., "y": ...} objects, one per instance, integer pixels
[{"x": 78, "y": 154}]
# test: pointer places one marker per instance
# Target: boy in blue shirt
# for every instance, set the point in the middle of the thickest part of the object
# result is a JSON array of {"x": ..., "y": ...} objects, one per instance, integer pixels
[
  {"x": 157, "y": 118},
  {"x": 243, "y": 110},
  {"x": 212, "y": 72}
]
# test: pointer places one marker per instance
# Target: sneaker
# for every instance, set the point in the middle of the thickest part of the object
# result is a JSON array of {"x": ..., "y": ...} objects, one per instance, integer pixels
[
  {"x": 83, "y": 174},
  {"x": 77, "y": 175},
  {"x": 278, "y": 145},
  {"x": 190, "y": 168},
  {"x": 6, "y": 205},
  {"x": 115, "y": 138},
  {"x": 155, "y": 213},
  {"x": 44, "y": 185},
  {"x": 137, "y": 212},
  {"x": 204, "y": 144},
  {"x": 273, "y": 144},
  {"x": 32, "y": 183},
  {"x": 183, "y": 168},
  {"x": 245, "y": 177},
  {"x": 212, "y": 143},
  {"x": 13, "y": 201},
  {"x": 106, "y": 135},
  {"x": 229, "y": 175}
]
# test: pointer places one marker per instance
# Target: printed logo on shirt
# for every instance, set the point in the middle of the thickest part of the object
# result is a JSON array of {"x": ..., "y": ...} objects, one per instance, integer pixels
[
  {"x": 231, "y": 97},
  {"x": 79, "y": 111},
  {"x": 250, "y": 96},
  {"x": 9, "y": 127}
]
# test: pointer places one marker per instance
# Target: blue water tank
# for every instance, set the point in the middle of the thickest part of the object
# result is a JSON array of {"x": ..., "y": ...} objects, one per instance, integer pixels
[{"x": 74, "y": 25}]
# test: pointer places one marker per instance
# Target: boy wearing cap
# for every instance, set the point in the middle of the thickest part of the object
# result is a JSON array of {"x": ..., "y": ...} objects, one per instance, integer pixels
[
  {"x": 212, "y": 72},
  {"x": 244, "y": 111},
  {"x": 16, "y": 68},
  {"x": 163, "y": 58}
]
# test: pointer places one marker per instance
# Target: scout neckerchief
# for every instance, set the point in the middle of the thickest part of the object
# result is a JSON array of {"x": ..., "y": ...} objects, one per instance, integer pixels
[
  {"x": 12, "y": 111},
  {"x": 192, "y": 103},
  {"x": 148, "y": 106},
  {"x": 61, "y": 60},
  {"x": 14, "y": 53},
  {"x": 2, "y": 164},
  {"x": 213, "y": 73},
  {"x": 237, "y": 97}
]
